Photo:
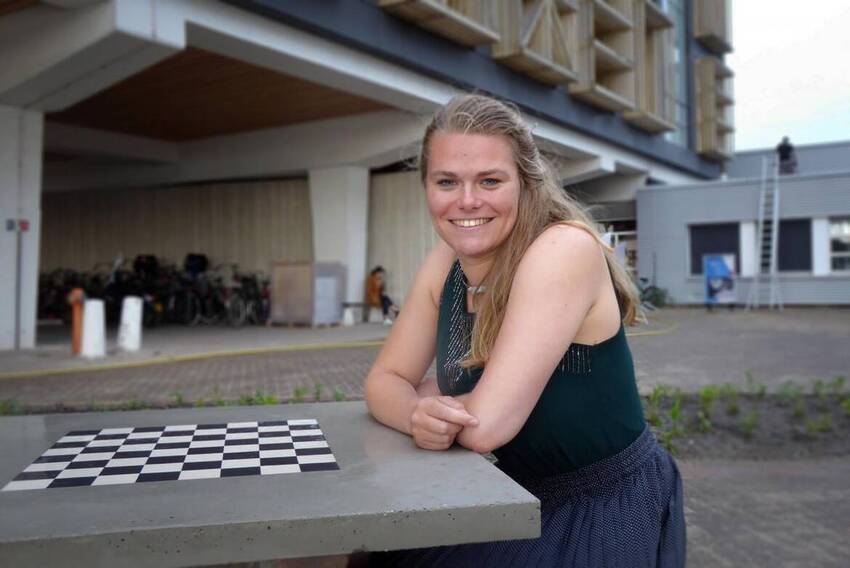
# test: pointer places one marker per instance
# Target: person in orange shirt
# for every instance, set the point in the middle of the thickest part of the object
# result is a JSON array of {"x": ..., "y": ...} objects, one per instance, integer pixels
[{"x": 376, "y": 294}]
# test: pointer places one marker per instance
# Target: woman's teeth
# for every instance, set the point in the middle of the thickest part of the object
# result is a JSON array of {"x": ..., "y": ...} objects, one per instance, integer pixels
[{"x": 470, "y": 222}]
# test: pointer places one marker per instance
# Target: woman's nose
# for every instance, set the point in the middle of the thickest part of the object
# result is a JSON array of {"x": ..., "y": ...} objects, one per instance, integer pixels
[{"x": 468, "y": 199}]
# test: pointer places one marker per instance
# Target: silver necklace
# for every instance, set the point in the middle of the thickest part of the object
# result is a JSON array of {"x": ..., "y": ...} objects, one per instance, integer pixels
[{"x": 476, "y": 289}]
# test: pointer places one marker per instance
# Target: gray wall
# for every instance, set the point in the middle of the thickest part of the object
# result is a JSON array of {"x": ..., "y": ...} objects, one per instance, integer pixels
[
  {"x": 664, "y": 213},
  {"x": 812, "y": 158}
]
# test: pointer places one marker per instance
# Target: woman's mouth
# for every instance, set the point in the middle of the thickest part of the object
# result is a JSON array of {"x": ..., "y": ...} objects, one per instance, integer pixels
[{"x": 471, "y": 223}]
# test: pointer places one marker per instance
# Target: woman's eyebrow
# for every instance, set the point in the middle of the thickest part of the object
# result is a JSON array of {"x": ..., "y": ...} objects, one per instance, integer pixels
[
  {"x": 491, "y": 172},
  {"x": 480, "y": 174}
]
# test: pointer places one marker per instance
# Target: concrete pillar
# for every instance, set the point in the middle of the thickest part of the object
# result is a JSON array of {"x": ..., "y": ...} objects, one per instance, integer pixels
[
  {"x": 821, "y": 258},
  {"x": 20, "y": 199},
  {"x": 748, "y": 248},
  {"x": 339, "y": 202}
]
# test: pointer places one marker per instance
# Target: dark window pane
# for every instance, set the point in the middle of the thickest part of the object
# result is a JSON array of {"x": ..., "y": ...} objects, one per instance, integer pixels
[
  {"x": 841, "y": 263},
  {"x": 795, "y": 244},
  {"x": 840, "y": 245},
  {"x": 714, "y": 239}
]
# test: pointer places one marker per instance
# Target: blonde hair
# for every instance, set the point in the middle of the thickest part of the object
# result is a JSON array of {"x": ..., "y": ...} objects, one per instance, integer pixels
[{"x": 542, "y": 203}]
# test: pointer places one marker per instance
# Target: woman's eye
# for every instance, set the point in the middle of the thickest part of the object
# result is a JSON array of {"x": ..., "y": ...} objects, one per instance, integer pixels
[
  {"x": 445, "y": 182},
  {"x": 491, "y": 182}
]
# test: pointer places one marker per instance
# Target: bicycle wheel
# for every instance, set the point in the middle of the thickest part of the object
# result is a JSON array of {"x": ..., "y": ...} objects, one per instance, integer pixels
[{"x": 236, "y": 312}]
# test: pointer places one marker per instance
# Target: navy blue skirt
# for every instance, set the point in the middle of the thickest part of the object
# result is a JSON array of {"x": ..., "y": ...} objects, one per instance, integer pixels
[{"x": 625, "y": 510}]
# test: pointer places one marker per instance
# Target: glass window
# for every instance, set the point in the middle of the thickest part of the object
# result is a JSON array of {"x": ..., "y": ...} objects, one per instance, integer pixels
[
  {"x": 677, "y": 11},
  {"x": 795, "y": 245},
  {"x": 719, "y": 238},
  {"x": 839, "y": 244}
]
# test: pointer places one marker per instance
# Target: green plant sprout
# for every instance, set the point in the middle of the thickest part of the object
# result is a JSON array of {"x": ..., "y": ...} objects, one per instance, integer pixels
[
  {"x": 299, "y": 394},
  {"x": 837, "y": 385},
  {"x": 8, "y": 407},
  {"x": 318, "y": 391},
  {"x": 707, "y": 397},
  {"x": 754, "y": 388},
  {"x": 339, "y": 395},
  {"x": 731, "y": 395},
  {"x": 748, "y": 423},
  {"x": 789, "y": 393},
  {"x": 799, "y": 409}
]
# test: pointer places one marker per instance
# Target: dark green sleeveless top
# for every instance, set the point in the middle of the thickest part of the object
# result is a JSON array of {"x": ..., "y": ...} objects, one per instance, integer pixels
[{"x": 589, "y": 409}]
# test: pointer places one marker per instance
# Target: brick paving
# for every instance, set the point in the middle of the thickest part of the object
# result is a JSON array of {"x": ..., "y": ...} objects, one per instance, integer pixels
[
  {"x": 216, "y": 379},
  {"x": 774, "y": 513}
]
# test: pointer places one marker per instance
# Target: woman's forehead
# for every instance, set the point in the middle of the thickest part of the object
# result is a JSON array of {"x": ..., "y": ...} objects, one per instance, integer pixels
[
  {"x": 480, "y": 152},
  {"x": 453, "y": 145}
]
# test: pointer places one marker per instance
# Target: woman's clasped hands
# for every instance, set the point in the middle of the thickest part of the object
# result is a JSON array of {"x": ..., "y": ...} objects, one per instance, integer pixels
[{"x": 437, "y": 420}]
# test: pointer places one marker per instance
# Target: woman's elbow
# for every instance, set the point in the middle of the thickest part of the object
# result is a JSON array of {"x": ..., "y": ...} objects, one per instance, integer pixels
[{"x": 477, "y": 439}]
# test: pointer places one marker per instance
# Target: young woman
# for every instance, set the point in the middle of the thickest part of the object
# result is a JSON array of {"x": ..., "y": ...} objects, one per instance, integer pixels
[{"x": 525, "y": 306}]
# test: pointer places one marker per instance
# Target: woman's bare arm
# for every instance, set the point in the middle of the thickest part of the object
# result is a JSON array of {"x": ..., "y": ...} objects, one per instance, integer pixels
[
  {"x": 391, "y": 385},
  {"x": 556, "y": 284}
]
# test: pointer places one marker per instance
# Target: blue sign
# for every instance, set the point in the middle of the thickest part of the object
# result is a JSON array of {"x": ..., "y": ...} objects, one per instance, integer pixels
[{"x": 719, "y": 271}]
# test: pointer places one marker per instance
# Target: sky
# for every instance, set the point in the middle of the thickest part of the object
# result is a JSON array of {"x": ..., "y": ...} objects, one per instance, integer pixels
[{"x": 792, "y": 71}]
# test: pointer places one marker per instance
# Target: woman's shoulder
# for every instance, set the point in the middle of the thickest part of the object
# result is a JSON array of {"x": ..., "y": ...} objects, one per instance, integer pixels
[{"x": 565, "y": 240}]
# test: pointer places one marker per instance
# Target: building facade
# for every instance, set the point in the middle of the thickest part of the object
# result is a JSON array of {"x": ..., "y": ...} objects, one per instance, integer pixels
[
  {"x": 264, "y": 130},
  {"x": 680, "y": 223}
]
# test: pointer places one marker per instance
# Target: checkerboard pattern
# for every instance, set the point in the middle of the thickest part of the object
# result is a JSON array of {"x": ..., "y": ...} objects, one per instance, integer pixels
[{"x": 113, "y": 456}]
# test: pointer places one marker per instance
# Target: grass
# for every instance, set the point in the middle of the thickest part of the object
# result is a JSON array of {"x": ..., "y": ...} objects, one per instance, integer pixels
[
  {"x": 299, "y": 394},
  {"x": 257, "y": 399},
  {"x": 789, "y": 393},
  {"x": 755, "y": 388},
  {"x": 748, "y": 423},
  {"x": 732, "y": 396},
  {"x": 8, "y": 407}
]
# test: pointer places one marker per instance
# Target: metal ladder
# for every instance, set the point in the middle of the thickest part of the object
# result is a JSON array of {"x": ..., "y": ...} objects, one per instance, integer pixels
[{"x": 767, "y": 239}]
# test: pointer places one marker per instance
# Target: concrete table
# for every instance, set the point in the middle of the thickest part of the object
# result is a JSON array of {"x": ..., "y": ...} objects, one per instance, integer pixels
[{"x": 386, "y": 494}]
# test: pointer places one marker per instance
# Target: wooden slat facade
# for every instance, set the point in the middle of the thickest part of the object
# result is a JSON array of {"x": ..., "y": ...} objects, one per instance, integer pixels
[
  {"x": 715, "y": 118},
  {"x": 467, "y": 22},
  {"x": 252, "y": 223},
  {"x": 655, "y": 103},
  {"x": 607, "y": 55},
  {"x": 400, "y": 229},
  {"x": 539, "y": 38},
  {"x": 713, "y": 24}
]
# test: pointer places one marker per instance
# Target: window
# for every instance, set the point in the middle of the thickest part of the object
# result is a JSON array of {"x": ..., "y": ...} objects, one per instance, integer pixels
[
  {"x": 795, "y": 245},
  {"x": 839, "y": 238},
  {"x": 720, "y": 238},
  {"x": 677, "y": 10}
]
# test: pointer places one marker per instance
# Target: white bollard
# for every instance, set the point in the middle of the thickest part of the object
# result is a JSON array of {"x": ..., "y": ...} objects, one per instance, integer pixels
[
  {"x": 348, "y": 316},
  {"x": 130, "y": 332},
  {"x": 94, "y": 329}
]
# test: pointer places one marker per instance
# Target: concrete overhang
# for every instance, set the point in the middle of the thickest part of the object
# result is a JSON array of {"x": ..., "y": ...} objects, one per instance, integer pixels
[{"x": 62, "y": 56}]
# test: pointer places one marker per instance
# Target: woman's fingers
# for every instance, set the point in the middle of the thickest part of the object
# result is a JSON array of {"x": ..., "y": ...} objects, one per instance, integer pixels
[
  {"x": 454, "y": 411},
  {"x": 432, "y": 441},
  {"x": 436, "y": 426}
]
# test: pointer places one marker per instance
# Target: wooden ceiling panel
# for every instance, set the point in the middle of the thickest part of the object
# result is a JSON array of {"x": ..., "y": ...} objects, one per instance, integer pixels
[{"x": 198, "y": 94}]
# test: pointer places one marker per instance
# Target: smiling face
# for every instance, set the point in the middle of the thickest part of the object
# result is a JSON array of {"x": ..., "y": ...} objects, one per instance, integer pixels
[{"x": 472, "y": 187}]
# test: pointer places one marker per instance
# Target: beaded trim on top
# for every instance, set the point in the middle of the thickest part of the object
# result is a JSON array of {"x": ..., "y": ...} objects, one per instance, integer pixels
[
  {"x": 577, "y": 359},
  {"x": 460, "y": 329}
]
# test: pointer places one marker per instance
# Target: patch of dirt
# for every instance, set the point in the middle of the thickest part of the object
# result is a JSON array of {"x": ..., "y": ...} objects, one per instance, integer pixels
[{"x": 765, "y": 427}]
